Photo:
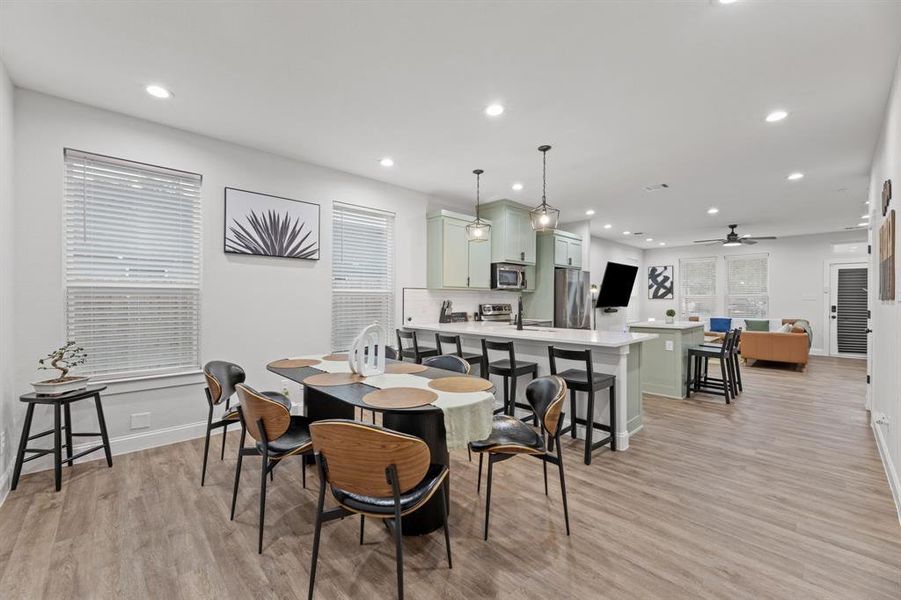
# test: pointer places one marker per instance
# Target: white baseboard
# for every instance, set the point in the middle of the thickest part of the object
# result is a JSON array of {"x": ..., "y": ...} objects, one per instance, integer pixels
[
  {"x": 891, "y": 473},
  {"x": 6, "y": 481}
]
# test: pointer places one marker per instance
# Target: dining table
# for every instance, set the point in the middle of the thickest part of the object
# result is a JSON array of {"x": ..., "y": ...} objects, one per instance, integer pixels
[{"x": 450, "y": 421}]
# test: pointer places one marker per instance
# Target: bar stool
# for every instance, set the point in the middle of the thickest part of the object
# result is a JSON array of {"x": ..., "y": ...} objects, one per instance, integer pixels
[
  {"x": 734, "y": 364},
  {"x": 417, "y": 352},
  {"x": 510, "y": 369},
  {"x": 577, "y": 380},
  {"x": 698, "y": 361},
  {"x": 473, "y": 358}
]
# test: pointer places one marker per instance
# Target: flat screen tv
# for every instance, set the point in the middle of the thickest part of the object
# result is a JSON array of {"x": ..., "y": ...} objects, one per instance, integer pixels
[{"x": 616, "y": 287}]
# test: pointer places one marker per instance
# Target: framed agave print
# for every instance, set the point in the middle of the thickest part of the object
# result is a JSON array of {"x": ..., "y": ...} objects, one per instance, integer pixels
[{"x": 264, "y": 225}]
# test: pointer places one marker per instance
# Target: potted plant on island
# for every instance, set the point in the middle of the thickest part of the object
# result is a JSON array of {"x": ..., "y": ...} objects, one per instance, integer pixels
[
  {"x": 670, "y": 316},
  {"x": 63, "y": 359}
]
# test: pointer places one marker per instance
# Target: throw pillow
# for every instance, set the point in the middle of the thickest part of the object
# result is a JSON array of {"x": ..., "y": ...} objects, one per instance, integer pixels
[
  {"x": 796, "y": 329},
  {"x": 720, "y": 325},
  {"x": 787, "y": 328},
  {"x": 757, "y": 324}
]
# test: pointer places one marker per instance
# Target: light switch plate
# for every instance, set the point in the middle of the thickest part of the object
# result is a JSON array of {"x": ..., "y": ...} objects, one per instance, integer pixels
[
  {"x": 669, "y": 345},
  {"x": 140, "y": 420}
]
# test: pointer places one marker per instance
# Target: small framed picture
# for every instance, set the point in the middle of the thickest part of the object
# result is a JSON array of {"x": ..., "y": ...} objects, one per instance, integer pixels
[{"x": 660, "y": 283}]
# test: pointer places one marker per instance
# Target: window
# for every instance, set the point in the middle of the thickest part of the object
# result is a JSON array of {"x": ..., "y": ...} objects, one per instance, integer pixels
[
  {"x": 697, "y": 295},
  {"x": 747, "y": 286},
  {"x": 362, "y": 272},
  {"x": 132, "y": 239}
]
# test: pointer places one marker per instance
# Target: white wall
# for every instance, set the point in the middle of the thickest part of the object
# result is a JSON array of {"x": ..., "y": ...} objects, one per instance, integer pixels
[
  {"x": 798, "y": 287},
  {"x": 8, "y": 403},
  {"x": 254, "y": 309},
  {"x": 885, "y": 369}
]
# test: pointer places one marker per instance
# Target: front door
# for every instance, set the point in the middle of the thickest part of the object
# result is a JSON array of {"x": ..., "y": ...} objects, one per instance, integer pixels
[{"x": 848, "y": 310}]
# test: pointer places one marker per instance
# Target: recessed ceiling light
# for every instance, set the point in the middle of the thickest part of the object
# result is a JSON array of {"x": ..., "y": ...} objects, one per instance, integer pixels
[
  {"x": 728, "y": 1},
  {"x": 712, "y": 210},
  {"x": 608, "y": 226},
  {"x": 649, "y": 239},
  {"x": 627, "y": 233},
  {"x": 867, "y": 216},
  {"x": 517, "y": 187},
  {"x": 864, "y": 224},
  {"x": 866, "y": 202},
  {"x": 589, "y": 212},
  {"x": 796, "y": 176},
  {"x": 158, "y": 91},
  {"x": 494, "y": 110},
  {"x": 661, "y": 243},
  {"x": 387, "y": 162},
  {"x": 776, "y": 115}
]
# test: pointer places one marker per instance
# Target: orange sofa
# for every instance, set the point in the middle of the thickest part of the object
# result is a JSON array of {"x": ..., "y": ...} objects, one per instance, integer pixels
[{"x": 776, "y": 346}]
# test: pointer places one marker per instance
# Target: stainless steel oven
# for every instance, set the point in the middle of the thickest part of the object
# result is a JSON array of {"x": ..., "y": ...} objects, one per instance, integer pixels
[{"x": 505, "y": 276}]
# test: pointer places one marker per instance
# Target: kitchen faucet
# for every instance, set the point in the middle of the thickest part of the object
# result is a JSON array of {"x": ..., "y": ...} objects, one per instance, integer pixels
[{"x": 519, "y": 315}]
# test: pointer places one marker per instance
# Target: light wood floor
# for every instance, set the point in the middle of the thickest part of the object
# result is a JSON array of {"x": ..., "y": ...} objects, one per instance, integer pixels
[{"x": 781, "y": 495}]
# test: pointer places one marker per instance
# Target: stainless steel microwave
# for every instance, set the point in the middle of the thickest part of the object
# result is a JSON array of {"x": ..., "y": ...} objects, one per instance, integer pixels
[{"x": 505, "y": 276}]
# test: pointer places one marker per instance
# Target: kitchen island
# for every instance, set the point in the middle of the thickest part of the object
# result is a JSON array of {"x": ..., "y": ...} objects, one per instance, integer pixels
[
  {"x": 666, "y": 358},
  {"x": 613, "y": 353}
]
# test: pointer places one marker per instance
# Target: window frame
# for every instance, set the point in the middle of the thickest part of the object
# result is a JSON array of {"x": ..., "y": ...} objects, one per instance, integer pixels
[
  {"x": 715, "y": 296},
  {"x": 727, "y": 295}
]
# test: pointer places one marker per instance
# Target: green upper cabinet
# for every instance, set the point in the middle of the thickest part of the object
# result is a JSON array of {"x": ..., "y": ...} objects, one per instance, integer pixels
[
  {"x": 567, "y": 250},
  {"x": 452, "y": 260},
  {"x": 513, "y": 239}
]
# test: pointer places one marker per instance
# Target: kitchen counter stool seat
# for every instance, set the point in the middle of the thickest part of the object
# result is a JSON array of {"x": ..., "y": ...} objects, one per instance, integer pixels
[
  {"x": 416, "y": 352},
  {"x": 473, "y": 358},
  {"x": 510, "y": 369}
]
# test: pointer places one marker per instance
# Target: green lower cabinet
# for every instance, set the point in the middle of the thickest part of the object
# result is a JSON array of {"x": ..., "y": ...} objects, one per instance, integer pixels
[{"x": 664, "y": 366}]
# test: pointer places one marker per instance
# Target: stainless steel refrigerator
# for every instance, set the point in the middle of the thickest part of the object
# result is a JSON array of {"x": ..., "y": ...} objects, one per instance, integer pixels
[{"x": 572, "y": 299}]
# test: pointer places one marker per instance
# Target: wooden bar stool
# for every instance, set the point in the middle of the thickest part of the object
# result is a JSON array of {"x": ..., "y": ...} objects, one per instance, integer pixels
[
  {"x": 510, "y": 369},
  {"x": 473, "y": 358},
  {"x": 61, "y": 408},
  {"x": 590, "y": 382},
  {"x": 417, "y": 352}
]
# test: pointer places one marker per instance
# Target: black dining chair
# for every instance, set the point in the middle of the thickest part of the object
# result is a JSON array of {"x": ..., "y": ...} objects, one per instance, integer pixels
[
  {"x": 278, "y": 434},
  {"x": 578, "y": 380},
  {"x": 448, "y": 362},
  {"x": 510, "y": 437},
  {"x": 473, "y": 358},
  {"x": 374, "y": 472},
  {"x": 221, "y": 379},
  {"x": 416, "y": 351},
  {"x": 510, "y": 369}
]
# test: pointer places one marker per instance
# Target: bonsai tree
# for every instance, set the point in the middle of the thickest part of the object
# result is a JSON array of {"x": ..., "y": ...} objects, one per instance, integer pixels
[
  {"x": 671, "y": 313},
  {"x": 63, "y": 359}
]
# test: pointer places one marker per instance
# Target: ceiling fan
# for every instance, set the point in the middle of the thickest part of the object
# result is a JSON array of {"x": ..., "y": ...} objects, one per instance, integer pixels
[{"x": 733, "y": 239}]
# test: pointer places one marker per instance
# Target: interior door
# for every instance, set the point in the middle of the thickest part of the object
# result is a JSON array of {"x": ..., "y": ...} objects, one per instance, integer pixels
[{"x": 848, "y": 310}]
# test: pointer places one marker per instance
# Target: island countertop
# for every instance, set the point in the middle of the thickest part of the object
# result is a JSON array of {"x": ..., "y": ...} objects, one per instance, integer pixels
[
  {"x": 665, "y": 325},
  {"x": 581, "y": 337}
]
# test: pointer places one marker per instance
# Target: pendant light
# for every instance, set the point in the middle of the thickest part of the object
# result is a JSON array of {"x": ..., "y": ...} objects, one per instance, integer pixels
[
  {"x": 478, "y": 230},
  {"x": 544, "y": 217}
]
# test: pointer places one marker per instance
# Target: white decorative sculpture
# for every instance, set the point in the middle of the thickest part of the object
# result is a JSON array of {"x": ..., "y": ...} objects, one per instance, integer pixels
[{"x": 367, "y": 354}]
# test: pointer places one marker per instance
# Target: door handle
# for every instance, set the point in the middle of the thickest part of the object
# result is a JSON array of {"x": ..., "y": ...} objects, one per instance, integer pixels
[
  {"x": 834, "y": 317},
  {"x": 522, "y": 256}
]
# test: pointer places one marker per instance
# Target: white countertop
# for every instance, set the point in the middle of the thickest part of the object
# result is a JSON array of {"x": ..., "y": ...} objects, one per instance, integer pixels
[
  {"x": 665, "y": 325},
  {"x": 581, "y": 337}
]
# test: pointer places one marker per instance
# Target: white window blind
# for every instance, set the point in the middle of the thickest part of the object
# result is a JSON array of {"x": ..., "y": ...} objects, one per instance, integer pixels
[
  {"x": 362, "y": 272},
  {"x": 132, "y": 238},
  {"x": 697, "y": 292},
  {"x": 747, "y": 285}
]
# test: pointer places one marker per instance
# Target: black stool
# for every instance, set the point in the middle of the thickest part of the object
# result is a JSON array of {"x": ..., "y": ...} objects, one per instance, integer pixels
[
  {"x": 733, "y": 363},
  {"x": 473, "y": 358},
  {"x": 579, "y": 381},
  {"x": 60, "y": 404},
  {"x": 699, "y": 379},
  {"x": 510, "y": 369},
  {"x": 417, "y": 352}
]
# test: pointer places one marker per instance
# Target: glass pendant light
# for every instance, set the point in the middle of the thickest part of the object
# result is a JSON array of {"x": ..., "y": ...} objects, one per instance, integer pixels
[
  {"x": 478, "y": 230},
  {"x": 544, "y": 217}
]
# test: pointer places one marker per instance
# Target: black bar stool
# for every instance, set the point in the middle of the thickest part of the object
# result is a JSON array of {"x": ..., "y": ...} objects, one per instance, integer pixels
[
  {"x": 60, "y": 405},
  {"x": 473, "y": 358},
  {"x": 510, "y": 369},
  {"x": 577, "y": 380},
  {"x": 733, "y": 362},
  {"x": 417, "y": 352},
  {"x": 698, "y": 376}
]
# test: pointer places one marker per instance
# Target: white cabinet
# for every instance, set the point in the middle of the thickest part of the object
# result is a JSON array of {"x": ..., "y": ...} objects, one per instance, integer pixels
[
  {"x": 452, "y": 260},
  {"x": 567, "y": 251},
  {"x": 512, "y": 234}
]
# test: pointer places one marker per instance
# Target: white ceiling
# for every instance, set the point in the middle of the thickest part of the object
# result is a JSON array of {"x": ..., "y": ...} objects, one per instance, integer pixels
[{"x": 628, "y": 93}]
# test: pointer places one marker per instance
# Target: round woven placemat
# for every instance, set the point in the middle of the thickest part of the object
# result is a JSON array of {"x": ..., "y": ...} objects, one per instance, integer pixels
[
  {"x": 404, "y": 368},
  {"x": 327, "y": 379},
  {"x": 293, "y": 363},
  {"x": 399, "y": 398},
  {"x": 460, "y": 384},
  {"x": 335, "y": 357}
]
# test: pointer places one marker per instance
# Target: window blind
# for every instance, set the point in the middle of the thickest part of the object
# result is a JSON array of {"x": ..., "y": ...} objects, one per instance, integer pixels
[
  {"x": 747, "y": 285},
  {"x": 132, "y": 239},
  {"x": 362, "y": 272},
  {"x": 697, "y": 297}
]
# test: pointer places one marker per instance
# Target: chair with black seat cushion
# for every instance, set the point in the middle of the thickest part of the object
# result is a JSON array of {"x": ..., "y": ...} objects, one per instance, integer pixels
[
  {"x": 416, "y": 351},
  {"x": 699, "y": 380},
  {"x": 510, "y": 369},
  {"x": 278, "y": 434},
  {"x": 577, "y": 380},
  {"x": 510, "y": 437},
  {"x": 374, "y": 472},
  {"x": 221, "y": 379},
  {"x": 473, "y": 358},
  {"x": 732, "y": 359},
  {"x": 448, "y": 362}
]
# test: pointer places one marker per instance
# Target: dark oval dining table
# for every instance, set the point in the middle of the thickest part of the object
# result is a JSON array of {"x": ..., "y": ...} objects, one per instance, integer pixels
[{"x": 425, "y": 422}]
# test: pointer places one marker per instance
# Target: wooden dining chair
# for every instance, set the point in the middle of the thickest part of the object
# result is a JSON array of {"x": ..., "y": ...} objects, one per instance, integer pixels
[
  {"x": 510, "y": 436},
  {"x": 221, "y": 379},
  {"x": 374, "y": 472},
  {"x": 278, "y": 434}
]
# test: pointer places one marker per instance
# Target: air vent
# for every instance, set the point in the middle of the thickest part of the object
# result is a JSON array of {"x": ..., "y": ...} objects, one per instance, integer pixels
[{"x": 656, "y": 187}]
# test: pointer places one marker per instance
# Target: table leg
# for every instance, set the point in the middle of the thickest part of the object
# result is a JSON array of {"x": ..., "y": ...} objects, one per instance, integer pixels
[
  {"x": 103, "y": 434},
  {"x": 67, "y": 413},
  {"x": 57, "y": 451},
  {"x": 23, "y": 443}
]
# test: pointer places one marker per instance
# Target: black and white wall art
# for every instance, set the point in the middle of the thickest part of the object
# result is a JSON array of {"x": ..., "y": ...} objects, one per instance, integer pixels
[
  {"x": 660, "y": 283},
  {"x": 264, "y": 225}
]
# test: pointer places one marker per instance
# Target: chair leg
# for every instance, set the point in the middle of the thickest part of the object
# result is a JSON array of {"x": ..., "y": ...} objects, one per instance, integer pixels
[
  {"x": 303, "y": 470},
  {"x": 224, "y": 434},
  {"x": 316, "y": 535},
  {"x": 544, "y": 464},
  {"x": 688, "y": 376},
  {"x": 399, "y": 551},
  {"x": 725, "y": 380},
  {"x": 589, "y": 426},
  {"x": 101, "y": 421},
  {"x": 563, "y": 490},
  {"x": 738, "y": 373},
  {"x": 265, "y": 467},
  {"x": 534, "y": 416},
  {"x": 613, "y": 417},
  {"x": 479, "y": 480},
  {"x": 67, "y": 414},
  {"x": 23, "y": 443},
  {"x": 450, "y": 564},
  {"x": 362, "y": 526},
  {"x": 238, "y": 472},
  {"x": 206, "y": 447},
  {"x": 572, "y": 413},
  {"x": 513, "y": 394},
  {"x": 506, "y": 395},
  {"x": 488, "y": 498},
  {"x": 469, "y": 453}
]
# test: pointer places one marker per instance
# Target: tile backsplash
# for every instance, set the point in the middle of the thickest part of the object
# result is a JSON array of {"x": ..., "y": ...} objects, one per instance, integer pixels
[{"x": 422, "y": 305}]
